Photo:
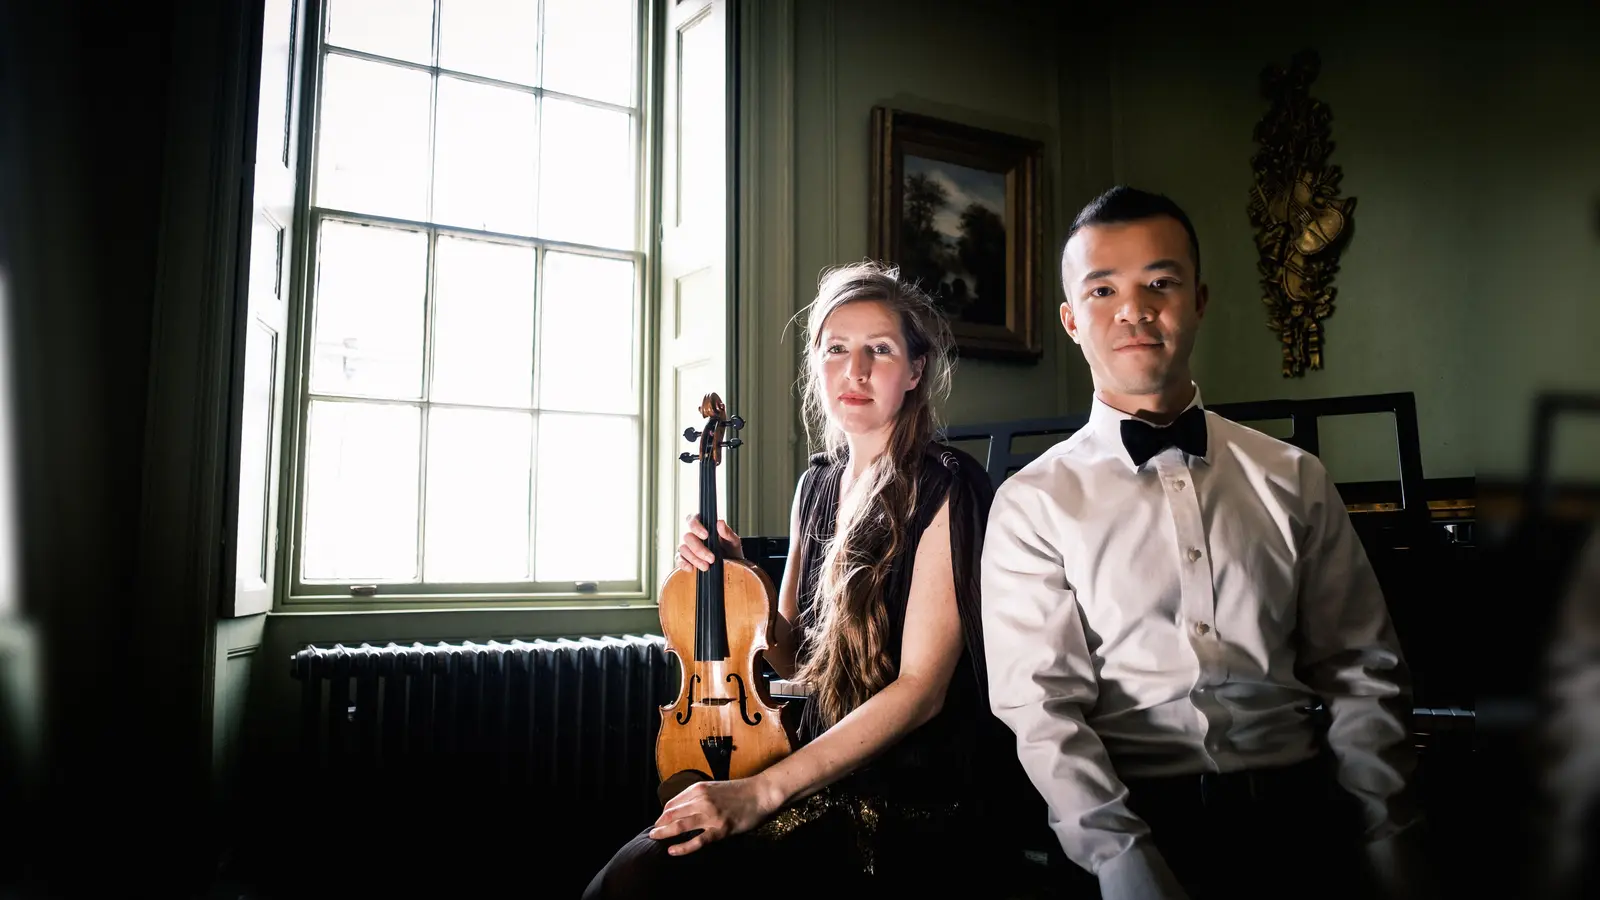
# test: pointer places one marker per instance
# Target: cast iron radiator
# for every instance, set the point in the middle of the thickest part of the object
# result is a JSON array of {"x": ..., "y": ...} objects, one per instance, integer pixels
[{"x": 564, "y": 724}]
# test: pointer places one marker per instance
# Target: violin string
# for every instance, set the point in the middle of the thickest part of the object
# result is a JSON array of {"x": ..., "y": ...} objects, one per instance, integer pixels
[{"x": 699, "y": 577}]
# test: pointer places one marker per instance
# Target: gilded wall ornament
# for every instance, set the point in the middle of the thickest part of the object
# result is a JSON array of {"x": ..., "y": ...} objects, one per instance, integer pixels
[{"x": 1301, "y": 221}]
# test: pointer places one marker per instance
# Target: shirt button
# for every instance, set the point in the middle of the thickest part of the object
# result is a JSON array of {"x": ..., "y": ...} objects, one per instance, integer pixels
[
  {"x": 1201, "y": 628},
  {"x": 1179, "y": 484},
  {"x": 1194, "y": 554}
]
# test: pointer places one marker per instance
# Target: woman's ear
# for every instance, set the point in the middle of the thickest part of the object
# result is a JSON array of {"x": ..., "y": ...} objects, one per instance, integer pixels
[{"x": 917, "y": 366}]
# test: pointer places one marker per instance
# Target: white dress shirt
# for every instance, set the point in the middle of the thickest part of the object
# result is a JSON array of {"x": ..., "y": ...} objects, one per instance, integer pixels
[{"x": 1183, "y": 617}]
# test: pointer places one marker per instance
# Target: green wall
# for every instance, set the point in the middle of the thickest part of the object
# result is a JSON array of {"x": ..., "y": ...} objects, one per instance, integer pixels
[
  {"x": 1535, "y": 193},
  {"x": 988, "y": 65},
  {"x": 1474, "y": 174},
  {"x": 1473, "y": 242}
]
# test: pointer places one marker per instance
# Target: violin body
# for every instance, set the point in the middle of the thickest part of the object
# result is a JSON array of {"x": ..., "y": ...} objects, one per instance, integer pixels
[
  {"x": 1310, "y": 226},
  {"x": 723, "y": 724},
  {"x": 1314, "y": 226}
]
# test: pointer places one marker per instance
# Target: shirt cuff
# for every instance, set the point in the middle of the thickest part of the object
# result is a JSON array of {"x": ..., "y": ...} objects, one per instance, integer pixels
[{"x": 1139, "y": 873}]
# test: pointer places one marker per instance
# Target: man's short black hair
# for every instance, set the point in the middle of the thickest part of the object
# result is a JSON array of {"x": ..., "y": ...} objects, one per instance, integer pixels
[{"x": 1128, "y": 204}]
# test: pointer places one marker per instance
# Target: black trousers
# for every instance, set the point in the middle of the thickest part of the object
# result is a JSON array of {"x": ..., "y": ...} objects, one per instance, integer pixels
[
  {"x": 818, "y": 859},
  {"x": 643, "y": 870},
  {"x": 1286, "y": 832}
]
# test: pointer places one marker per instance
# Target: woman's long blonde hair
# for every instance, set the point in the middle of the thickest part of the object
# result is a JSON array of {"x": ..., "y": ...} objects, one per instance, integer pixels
[{"x": 847, "y": 639}]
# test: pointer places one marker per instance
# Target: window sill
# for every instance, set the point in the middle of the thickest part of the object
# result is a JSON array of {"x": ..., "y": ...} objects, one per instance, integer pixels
[
  {"x": 431, "y": 603},
  {"x": 353, "y": 624}
]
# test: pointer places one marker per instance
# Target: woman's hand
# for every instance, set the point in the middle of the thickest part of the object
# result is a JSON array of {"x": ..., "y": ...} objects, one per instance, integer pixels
[
  {"x": 693, "y": 552},
  {"x": 718, "y": 809}
]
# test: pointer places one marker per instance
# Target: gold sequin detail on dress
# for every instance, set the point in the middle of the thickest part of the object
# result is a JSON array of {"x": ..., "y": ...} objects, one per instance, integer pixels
[{"x": 865, "y": 814}]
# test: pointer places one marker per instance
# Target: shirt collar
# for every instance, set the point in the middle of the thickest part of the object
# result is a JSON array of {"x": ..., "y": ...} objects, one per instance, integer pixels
[{"x": 1106, "y": 420}]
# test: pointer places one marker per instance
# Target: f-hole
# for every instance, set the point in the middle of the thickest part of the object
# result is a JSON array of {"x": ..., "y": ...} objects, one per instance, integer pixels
[
  {"x": 688, "y": 707},
  {"x": 744, "y": 698}
]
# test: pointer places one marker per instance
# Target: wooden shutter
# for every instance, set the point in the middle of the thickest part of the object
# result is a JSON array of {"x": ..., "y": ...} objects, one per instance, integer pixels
[
  {"x": 695, "y": 232},
  {"x": 265, "y": 284}
]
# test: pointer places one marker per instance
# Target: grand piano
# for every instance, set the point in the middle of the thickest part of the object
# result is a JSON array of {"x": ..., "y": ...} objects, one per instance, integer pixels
[{"x": 1418, "y": 534}]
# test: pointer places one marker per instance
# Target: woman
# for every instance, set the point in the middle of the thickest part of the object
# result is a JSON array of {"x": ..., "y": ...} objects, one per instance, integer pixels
[{"x": 878, "y": 614}]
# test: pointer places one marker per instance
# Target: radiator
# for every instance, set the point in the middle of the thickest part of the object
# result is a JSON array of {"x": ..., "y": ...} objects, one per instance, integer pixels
[{"x": 564, "y": 724}]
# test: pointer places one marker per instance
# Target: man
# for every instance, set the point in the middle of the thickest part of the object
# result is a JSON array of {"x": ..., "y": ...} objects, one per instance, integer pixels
[{"x": 1169, "y": 596}]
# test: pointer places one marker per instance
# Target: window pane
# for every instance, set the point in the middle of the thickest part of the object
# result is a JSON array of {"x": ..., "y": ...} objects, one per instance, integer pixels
[
  {"x": 483, "y": 323},
  {"x": 587, "y": 499},
  {"x": 589, "y": 49},
  {"x": 493, "y": 38},
  {"x": 586, "y": 325},
  {"x": 487, "y": 148},
  {"x": 372, "y": 139},
  {"x": 702, "y": 128},
  {"x": 402, "y": 29},
  {"x": 477, "y": 507},
  {"x": 586, "y": 178},
  {"x": 361, "y": 492},
  {"x": 371, "y": 285}
]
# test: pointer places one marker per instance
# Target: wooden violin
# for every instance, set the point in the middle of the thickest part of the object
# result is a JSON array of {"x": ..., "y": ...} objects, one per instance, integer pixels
[{"x": 723, "y": 724}]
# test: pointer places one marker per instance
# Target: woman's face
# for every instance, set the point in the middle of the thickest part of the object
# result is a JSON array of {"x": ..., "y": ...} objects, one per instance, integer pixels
[{"x": 863, "y": 370}]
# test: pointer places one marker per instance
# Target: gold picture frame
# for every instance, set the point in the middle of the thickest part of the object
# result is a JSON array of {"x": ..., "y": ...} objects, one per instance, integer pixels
[{"x": 958, "y": 210}]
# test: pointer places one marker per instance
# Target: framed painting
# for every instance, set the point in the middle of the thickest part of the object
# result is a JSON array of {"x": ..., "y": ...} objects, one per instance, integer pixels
[{"x": 957, "y": 208}]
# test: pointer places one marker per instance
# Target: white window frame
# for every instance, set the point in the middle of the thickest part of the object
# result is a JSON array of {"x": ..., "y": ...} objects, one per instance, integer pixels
[{"x": 297, "y": 594}]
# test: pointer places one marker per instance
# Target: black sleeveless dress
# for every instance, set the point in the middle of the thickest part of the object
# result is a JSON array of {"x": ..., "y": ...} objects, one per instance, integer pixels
[{"x": 918, "y": 812}]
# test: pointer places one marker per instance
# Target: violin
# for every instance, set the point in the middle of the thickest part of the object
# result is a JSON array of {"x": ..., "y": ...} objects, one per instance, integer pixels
[
  {"x": 1315, "y": 227},
  {"x": 1312, "y": 229},
  {"x": 723, "y": 724}
]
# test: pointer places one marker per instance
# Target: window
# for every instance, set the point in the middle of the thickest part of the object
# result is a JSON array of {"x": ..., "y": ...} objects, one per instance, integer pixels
[{"x": 471, "y": 390}]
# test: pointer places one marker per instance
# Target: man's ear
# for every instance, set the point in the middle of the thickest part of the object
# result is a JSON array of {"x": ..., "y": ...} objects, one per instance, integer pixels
[
  {"x": 1201, "y": 298},
  {"x": 1069, "y": 321}
]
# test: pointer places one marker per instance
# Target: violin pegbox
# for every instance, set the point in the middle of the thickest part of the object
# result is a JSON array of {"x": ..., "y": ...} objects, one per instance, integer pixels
[{"x": 711, "y": 438}]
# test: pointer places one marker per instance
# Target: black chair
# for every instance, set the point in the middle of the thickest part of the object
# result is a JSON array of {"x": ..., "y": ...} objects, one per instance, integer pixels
[{"x": 1002, "y": 460}]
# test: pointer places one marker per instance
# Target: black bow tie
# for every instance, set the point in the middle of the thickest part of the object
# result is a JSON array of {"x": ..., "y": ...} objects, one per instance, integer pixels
[{"x": 1144, "y": 440}]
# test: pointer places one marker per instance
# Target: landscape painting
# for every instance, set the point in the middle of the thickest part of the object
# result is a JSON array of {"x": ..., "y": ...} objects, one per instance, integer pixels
[
  {"x": 953, "y": 237},
  {"x": 957, "y": 209}
]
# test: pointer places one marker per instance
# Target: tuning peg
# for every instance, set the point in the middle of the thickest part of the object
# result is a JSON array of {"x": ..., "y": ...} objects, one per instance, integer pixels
[
  {"x": 732, "y": 442},
  {"x": 736, "y": 423},
  {"x": 690, "y": 434},
  {"x": 686, "y": 456}
]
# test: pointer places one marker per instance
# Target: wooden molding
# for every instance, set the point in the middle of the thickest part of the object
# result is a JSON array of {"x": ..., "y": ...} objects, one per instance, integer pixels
[
  {"x": 182, "y": 573},
  {"x": 765, "y": 359}
]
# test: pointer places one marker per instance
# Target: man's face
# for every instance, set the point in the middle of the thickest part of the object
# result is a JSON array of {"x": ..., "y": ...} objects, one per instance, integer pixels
[{"x": 1133, "y": 304}]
